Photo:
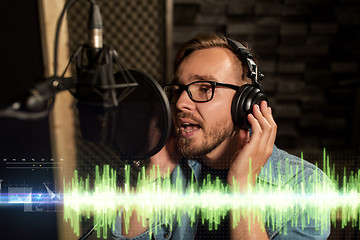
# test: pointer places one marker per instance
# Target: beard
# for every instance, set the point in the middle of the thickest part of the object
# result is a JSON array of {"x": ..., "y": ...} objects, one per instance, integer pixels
[{"x": 212, "y": 138}]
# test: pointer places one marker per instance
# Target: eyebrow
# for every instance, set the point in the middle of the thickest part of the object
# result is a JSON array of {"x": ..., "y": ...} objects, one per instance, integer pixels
[{"x": 196, "y": 77}]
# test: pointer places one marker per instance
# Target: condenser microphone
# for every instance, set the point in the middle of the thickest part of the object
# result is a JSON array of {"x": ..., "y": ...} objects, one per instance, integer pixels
[
  {"x": 128, "y": 110},
  {"x": 97, "y": 92},
  {"x": 95, "y": 32}
]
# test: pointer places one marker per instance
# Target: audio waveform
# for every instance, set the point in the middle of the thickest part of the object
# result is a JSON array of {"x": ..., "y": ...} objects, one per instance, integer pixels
[{"x": 317, "y": 198}]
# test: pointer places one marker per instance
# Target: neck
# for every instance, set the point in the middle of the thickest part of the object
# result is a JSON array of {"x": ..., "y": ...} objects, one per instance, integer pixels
[{"x": 222, "y": 156}]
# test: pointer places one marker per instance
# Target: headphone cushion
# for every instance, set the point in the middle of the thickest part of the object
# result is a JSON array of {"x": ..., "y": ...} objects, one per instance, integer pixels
[{"x": 242, "y": 104}]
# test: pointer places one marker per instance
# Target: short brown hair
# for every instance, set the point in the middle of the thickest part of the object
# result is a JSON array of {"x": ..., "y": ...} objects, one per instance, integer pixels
[{"x": 204, "y": 41}]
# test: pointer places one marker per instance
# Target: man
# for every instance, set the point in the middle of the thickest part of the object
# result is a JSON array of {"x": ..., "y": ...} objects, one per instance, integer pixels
[{"x": 206, "y": 75}]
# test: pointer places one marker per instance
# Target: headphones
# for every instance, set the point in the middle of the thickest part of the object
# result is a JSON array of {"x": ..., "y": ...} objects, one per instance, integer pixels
[{"x": 248, "y": 94}]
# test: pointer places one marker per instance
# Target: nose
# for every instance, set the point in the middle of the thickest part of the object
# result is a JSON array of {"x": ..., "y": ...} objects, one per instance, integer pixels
[{"x": 184, "y": 102}]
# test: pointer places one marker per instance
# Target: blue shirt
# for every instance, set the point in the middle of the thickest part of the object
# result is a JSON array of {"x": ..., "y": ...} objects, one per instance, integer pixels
[{"x": 281, "y": 165}]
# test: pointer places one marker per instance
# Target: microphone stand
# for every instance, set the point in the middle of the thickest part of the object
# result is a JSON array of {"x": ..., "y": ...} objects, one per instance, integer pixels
[
  {"x": 89, "y": 232},
  {"x": 100, "y": 61}
]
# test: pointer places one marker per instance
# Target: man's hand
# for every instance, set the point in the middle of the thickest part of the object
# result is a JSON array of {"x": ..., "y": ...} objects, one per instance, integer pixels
[{"x": 258, "y": 148}]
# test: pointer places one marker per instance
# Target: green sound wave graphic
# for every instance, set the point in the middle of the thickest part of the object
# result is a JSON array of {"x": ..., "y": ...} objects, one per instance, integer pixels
[{"x": 163, "y": 201}]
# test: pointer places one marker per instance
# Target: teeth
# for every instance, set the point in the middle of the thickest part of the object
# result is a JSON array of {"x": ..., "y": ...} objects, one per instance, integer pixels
[
  {"x": 189, "y": 127},
  {"x": 185, "y": 126}
]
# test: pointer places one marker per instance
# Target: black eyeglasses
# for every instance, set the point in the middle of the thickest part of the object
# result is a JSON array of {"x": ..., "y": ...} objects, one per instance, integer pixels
[{"x": 199, "y": 91}]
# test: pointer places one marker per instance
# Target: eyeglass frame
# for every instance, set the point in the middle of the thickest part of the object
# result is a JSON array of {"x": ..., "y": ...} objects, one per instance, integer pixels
[{"x": 213, "y": 86}]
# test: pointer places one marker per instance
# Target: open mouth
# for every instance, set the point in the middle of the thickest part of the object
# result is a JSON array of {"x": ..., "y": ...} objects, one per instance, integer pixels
[{"x": 189, "y": 127}]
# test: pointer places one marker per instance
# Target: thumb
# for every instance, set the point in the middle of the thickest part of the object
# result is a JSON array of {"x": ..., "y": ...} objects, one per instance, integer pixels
[{"x": 244, "y": 137}]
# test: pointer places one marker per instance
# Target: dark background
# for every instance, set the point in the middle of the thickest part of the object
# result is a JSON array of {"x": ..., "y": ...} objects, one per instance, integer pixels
[
  {"x": 21, "y": 67},
  {"x": 309, "y": 51}
]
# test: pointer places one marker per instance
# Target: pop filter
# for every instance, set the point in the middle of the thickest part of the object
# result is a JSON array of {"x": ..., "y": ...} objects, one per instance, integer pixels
[{"x": 143, "y": 119}]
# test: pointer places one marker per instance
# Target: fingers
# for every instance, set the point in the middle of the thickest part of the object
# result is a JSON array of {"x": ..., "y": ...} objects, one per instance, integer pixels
[
  {"x": 267, "y": 113},
  {"x": 264, "y": 128},
  {"x": 256, "y": 130},
  {"x": 273, "y": 129},
  {"x": 258, "y": 148},
  {"x": 260, "y": 113}
]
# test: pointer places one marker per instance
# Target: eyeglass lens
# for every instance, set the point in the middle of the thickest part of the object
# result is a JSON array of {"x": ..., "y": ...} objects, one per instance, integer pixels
[{"x": 197, "y": 91}]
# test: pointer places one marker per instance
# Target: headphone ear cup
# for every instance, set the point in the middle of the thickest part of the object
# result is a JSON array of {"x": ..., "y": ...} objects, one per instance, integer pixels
[{"x": 243, "y": 102}]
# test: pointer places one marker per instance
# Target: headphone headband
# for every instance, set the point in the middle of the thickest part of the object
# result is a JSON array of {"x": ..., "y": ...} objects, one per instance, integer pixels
[{"x": 245, "y": 56}]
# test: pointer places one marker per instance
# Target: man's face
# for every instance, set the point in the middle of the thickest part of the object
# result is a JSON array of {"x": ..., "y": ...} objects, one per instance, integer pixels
[{"x": 205, "y": 127}]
